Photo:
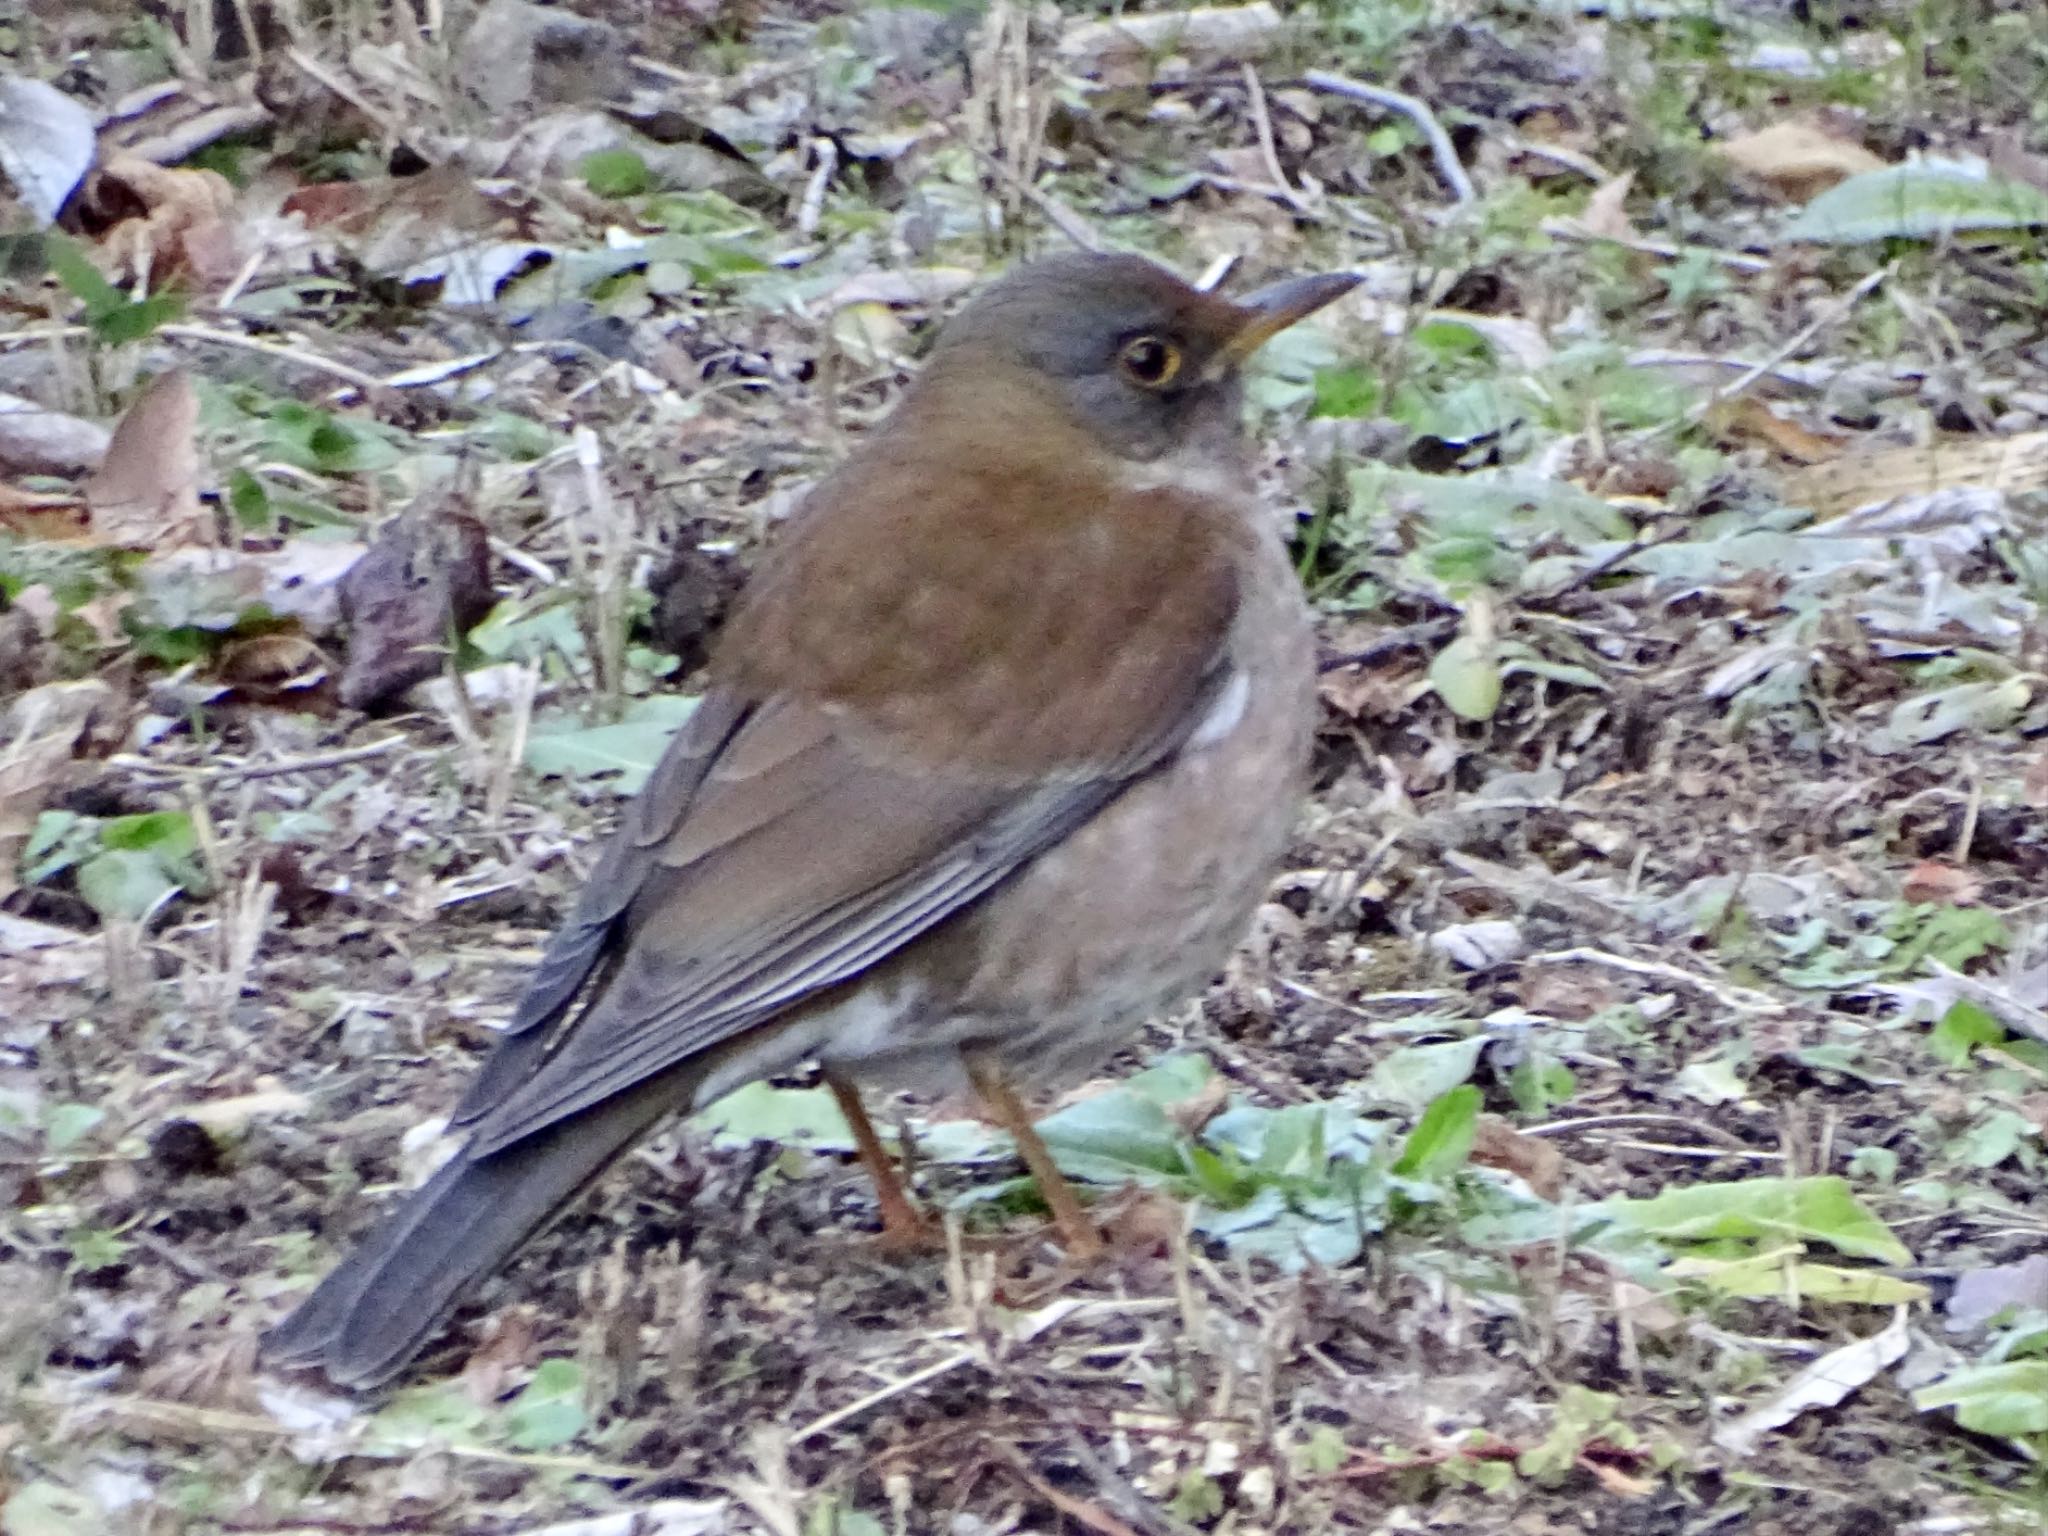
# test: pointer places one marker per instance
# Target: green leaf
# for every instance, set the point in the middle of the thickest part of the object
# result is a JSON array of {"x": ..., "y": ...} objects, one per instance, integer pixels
[
  {"x": 1442, "y": 1139},
  {"x": 44, "y": 1508},
  {"x": 616, "y": 173},
  {"x": 110, "y": 313},
  {"x": 72, "y": 267},
  {"x": 1921, "y": 200},
  {"x": 2006, "y": 1400},
  {"x": 65, "y": 1125},
  {"x": 1712, "y": 1080},
  {"x": 1416, "y": 1075},
  {"x": 1465, "y": 413},
  {"x": 762, "y": 1112},
  {"x": 169, "y": 833},
  {"x": 1347, "y": 392},
  {"x": 1782, "y": 1274},
  {"x": 439, "y": 1414},
  {"x": 1466, "y": 676},
  {"x": 1539, "y": 1084},
  {"x": 1992, "y": 1140},
  {"x": 1822, "y": 1210},
  {"x": 1124, "y": 1134},
  {"x": 137, "y": 320},
  {"x": 58, "y": 840},
  {"x": 627, "y": 750},
  {"x": 829, "y": 1517},
  {"x": 550, "y": 1411},
  {"x": 248, "y": 499},
  {"x": 124, "y": 883},
  {"x": 1961, "y": 1030},
  {"x": 95, "y": 1248},
  {"x": 1976, "y": 707}
]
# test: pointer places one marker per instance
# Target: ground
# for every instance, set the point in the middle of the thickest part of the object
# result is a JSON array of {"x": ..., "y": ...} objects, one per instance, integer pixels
[{"x": 1654, "y": 1002}]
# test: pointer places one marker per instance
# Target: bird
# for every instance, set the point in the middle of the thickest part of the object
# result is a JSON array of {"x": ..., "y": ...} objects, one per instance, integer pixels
[{"x": 995, "y": 760}]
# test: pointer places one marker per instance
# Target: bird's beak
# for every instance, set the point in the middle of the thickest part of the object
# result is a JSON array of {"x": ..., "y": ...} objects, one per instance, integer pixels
[{"x": 1275, "y": 307}]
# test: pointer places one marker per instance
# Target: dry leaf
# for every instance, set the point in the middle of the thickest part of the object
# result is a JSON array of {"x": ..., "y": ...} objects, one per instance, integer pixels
[
  {"x": 1940, "y": 884},
  {"x": 1798, "y": 159},
  {"x": 1208, "y": 33},
  {"x": 1497, "y": 1144},
  {"x": 167, "y": 222},
  {"x": 264, "y": 666},
  {"x": 38, "y": 735},
  {"x": 147, "y": 492},
  {"x": 1606, "y": 214},
  {"x": 2012, "y": 464},
  {"x": 2034, "y": 785},
  {"x": 1748, "y": 417},
  {"x": 45, "y": 517},
  {"x": 46, "y": 144},
  {"x": 425, "y": 578}
]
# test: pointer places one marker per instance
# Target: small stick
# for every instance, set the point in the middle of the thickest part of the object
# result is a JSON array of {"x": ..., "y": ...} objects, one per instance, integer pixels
[
  {"x": 261, "y": 770},
  {"x": 1262, "y": 122},
  {"x": 1833, "y": 315},
  {"x": 812, "y": 208},
  {"x": 303, "y": 358},
  {"x": 1416, "y": 111}
]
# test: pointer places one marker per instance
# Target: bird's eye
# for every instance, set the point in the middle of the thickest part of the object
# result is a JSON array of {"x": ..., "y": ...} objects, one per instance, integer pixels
[{"x": 1149, "y": 361}]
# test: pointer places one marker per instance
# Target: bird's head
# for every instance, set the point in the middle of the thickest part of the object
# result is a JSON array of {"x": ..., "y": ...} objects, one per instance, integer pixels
[{"x": 1116, "y": 348}]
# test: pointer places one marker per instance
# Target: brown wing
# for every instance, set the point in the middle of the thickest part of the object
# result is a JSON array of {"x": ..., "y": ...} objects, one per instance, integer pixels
[{"x": 856, "y": 779}]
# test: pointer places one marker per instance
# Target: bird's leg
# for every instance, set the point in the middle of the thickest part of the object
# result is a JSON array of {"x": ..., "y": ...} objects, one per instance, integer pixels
[
  {"x": 1083, "y": 1241},
  {"x": 904, "y": 1230}
]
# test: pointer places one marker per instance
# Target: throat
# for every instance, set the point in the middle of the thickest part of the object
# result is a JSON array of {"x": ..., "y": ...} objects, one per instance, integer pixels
[{"x": 1191, "y": 475}]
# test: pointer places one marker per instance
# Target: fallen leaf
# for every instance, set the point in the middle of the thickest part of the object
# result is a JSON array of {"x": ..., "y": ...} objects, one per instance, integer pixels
[
  {"x": 2034, "y": 784},
  {"x": 146, "y": 494},
  {"x": 45, "y": 517},
  {"x": 2015, "y": 464},
  {"x": 1939, "y": 884},
  {"x": 1606, "y": 214},
  {"x": 38, "y": 736},
  {"x": 264, "y": 667},
  {"x": 1798, "y": 159},
  {"x": 1822, "y": 1384},
  {"x": 35, "y": 440},
  {"x": 1479, "y": 946},
  {"x": 1535, "y": 1161},
  {"x": 166, "y": 222},
  {"x": 425, "y": 578},
  {"x": 1981, "y": 1294},
  {"x": 1234, "y": 32},
  {"x": 1748, "y": 417},
  {"x": 231, "y": 1116}
]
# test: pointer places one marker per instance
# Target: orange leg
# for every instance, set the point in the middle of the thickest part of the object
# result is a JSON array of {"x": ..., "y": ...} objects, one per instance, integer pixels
[
  {"x": 903, "y": 1228},
  {"x": 1083, "y": 1241}
]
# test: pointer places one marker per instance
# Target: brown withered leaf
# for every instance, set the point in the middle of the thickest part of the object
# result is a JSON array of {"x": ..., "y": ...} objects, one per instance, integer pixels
[
  {"x": 146, "y": 493},
  {"x": 1535, "y": 1161},
  {"x": 39, "y": 733},
  {"x": 166, "y": 222},
  {"x": 1942, "y": 885},
  {"x": 1606, "y": 212},
  {"x": 1748, "y": 417},
  {"x": 1798, "y": 159},
  {"x": 2015, "y": 463},
  {"x": 426, "y": 577},
  {"x": 263, "y": 668},
  {"x": 42, "y": 516}
]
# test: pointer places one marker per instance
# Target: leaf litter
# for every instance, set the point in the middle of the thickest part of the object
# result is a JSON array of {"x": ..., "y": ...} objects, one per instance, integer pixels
[{"x": 1654, "y": 994}]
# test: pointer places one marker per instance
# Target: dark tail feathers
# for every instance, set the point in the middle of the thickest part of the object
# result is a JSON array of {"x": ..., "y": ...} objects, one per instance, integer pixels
[{"x": 365, "y": 1322}]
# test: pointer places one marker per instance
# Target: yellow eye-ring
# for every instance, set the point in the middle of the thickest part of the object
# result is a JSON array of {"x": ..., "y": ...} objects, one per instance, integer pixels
[{"x": 1149, "y": 361}]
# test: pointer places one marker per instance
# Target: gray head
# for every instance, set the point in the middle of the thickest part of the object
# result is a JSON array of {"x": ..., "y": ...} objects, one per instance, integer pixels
[{"x": 1145, "y": 362}]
